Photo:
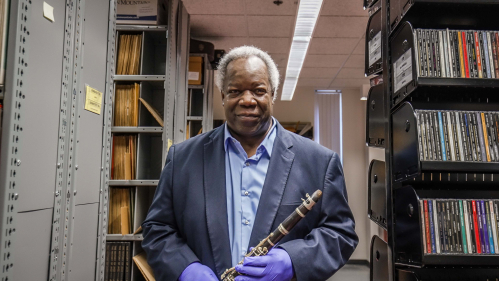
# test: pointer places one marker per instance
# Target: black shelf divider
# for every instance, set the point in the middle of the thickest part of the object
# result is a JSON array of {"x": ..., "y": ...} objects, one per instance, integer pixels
[
  {"x": 375, "y": 117},
  {"x": 377, "y": 193},
  {"x": 373, "y": 45},
  {"x": 379, "y": 260}
]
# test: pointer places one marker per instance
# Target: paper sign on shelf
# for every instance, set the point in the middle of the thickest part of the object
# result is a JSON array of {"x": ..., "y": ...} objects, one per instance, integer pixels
[
  {"x": 193, "y": 75},
  {"x": 93, "y": 100},
  {"x": 48, "y": 12}
]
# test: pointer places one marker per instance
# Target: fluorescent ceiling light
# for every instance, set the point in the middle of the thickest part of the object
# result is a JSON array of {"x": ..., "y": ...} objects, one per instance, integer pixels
[
  {"x": 308, "y": 12},
  {"x": 326, "y": 92},
  {"x": 363, "y": 98}
]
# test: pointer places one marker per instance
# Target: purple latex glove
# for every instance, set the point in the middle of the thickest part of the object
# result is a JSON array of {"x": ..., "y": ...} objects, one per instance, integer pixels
[
  {"x": 275, "y": 266},
  {"x": 197, "y": 272}
]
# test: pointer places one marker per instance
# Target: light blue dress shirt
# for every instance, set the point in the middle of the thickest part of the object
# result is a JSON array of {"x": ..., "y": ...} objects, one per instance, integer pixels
[{"x": 244, "y": 179}]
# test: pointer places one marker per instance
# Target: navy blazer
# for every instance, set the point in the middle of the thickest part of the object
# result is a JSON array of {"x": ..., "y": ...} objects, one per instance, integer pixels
[{"x": 187, "y": 221}]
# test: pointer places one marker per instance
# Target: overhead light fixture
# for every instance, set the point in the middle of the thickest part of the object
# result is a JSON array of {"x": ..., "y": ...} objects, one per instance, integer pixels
[
  {"x": 308, "y": 12},
  {"x": 328, "y": 92}
]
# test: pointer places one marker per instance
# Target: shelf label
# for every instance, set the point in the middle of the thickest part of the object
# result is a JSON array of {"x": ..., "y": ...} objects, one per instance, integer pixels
[
  {"x": 93, "y": 100},
  {"x": 48, "y": 12},
  {"x": 402, "y": 70},
  {"x": 374, "y": 48},
  {"x": 193, "y": 75}
]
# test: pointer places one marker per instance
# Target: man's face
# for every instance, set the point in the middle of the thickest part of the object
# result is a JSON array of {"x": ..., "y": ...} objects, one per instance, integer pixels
[{"x": 247, "y": 97}]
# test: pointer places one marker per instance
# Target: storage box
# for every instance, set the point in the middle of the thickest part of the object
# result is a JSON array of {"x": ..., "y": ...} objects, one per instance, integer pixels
[
  {"x": 195, "y": 70},
  {"x": 141, "y": 12}
]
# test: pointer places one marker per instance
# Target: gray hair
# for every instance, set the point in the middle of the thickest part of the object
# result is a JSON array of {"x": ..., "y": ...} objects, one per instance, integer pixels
[{"x": 246, "y": 52}]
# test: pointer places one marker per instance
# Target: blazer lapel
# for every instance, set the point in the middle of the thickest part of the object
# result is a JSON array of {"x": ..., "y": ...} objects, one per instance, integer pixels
[
  {"x": 273, "y": 187},
  {"x": 216, "y": 201}
]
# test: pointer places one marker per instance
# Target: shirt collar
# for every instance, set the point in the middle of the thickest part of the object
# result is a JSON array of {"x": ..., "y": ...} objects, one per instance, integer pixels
[{"x": 267, "y": 143}]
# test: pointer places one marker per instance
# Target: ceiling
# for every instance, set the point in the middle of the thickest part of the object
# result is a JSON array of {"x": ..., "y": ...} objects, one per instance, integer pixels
[{"x": 335, "y": 57}]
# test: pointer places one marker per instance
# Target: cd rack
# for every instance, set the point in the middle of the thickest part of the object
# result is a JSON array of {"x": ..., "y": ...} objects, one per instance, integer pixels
[{"x": 447, "y": 98}]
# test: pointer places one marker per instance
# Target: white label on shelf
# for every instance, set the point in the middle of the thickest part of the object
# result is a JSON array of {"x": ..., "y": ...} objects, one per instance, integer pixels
[
  {"x": 375, "y": 56},
  {"x": 48, "y": 12},
  {"x": 374, "y": 43},
  {"x": 193, "y": 75},
  {"x": 403, "y": 63},
  {"x": 402, "y": 70}
]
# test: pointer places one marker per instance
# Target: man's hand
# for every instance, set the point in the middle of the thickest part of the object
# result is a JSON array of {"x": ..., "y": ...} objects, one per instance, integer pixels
[
  {"x": 276, "y": 266},
  {"x": 197, "y": 272}
]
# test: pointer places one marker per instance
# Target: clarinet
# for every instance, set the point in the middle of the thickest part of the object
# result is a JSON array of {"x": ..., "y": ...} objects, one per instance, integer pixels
[{"x": 283, "y": 229}]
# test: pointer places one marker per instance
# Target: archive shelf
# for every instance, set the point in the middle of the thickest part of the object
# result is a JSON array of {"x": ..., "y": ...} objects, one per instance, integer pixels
[
  {"x": 128, "y": 237},
  {"x": 458, "y": 14},
  {"x": 136, "y": 130},
  {"x": 157, "y": 79},
  {"x": 406, "y": 154},
  {"x": 199, "y": 101},
  {"x": 408, "y": 231},
  {"x": 402, "y": 40},
  {"x": 409, "y": 178}
]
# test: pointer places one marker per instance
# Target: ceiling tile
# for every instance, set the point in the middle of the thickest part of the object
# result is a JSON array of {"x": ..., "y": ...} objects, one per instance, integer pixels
[
  {"x": 319, "y": 72},
  {"x": 352, "y": 73},
  {"x": 361, "y": 47},
  {"x": 270, "y": 26},
  {"x": 282, "y": 73},
  {"x": 332, "y": 46},
  {"x": 324, "y": 60},
  {"x": 349, "y": 83},
  {"x": 216, "y": 25},
  {"x": 224, "y": 43},
  {"x": 313, "y": 82},
  {"x": 281, "y": 60},
  {"x": 267, "y": 7},
  {"x": 331, "y": 26},
  {"x": 343, "y": 8},
  {"x": 272, "y": 45},
  {"x": 356, "y": 61},
  {"x": 214, "y": 7}
]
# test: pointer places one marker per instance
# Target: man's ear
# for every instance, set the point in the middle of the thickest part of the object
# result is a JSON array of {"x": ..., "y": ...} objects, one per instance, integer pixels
[
  {"x": 272, "y": 96},
  {"x": 223, "y": 95}
]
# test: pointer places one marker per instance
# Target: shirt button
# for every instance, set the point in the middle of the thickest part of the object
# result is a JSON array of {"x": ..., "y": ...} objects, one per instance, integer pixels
[
  {"x": 247, "y": 163},
  {"x": 246, "y": 222},
  {"x": 246, "y": 193}
]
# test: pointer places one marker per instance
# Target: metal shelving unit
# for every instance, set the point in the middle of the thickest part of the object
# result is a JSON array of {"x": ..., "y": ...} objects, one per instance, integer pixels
[
  {"x": 391, "y": 124},
  {"x": 159, "y": 80}
]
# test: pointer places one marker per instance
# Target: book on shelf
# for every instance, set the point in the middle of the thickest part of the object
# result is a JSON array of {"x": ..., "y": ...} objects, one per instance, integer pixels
[
  {"x": 126, "y": 110},
  {"x": 129, "y": 49},
  {"x": 124, "y": 160},
  {"x": 453, "y": 135},
  {"x": 118, "y": 261},
  {"x": 460, "y": 226},
  {"x": 141, "y": 261},
  {"x": 445, "y": 53},
  {"x": 153, "y": 111},
  {"x": 121, "y": 206}
]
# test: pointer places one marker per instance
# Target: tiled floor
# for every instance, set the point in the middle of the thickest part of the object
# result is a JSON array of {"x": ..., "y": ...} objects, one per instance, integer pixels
[{"x": 351, "y": 272}]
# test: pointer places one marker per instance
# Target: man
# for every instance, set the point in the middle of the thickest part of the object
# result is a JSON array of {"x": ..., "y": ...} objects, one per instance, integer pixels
[{"x": 224, "y": 191}]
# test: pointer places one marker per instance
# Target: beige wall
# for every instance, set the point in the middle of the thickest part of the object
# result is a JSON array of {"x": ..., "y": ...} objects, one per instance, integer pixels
[
  {"x": 355, "y": 153},
  {"x": 355, "y": 166}
]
